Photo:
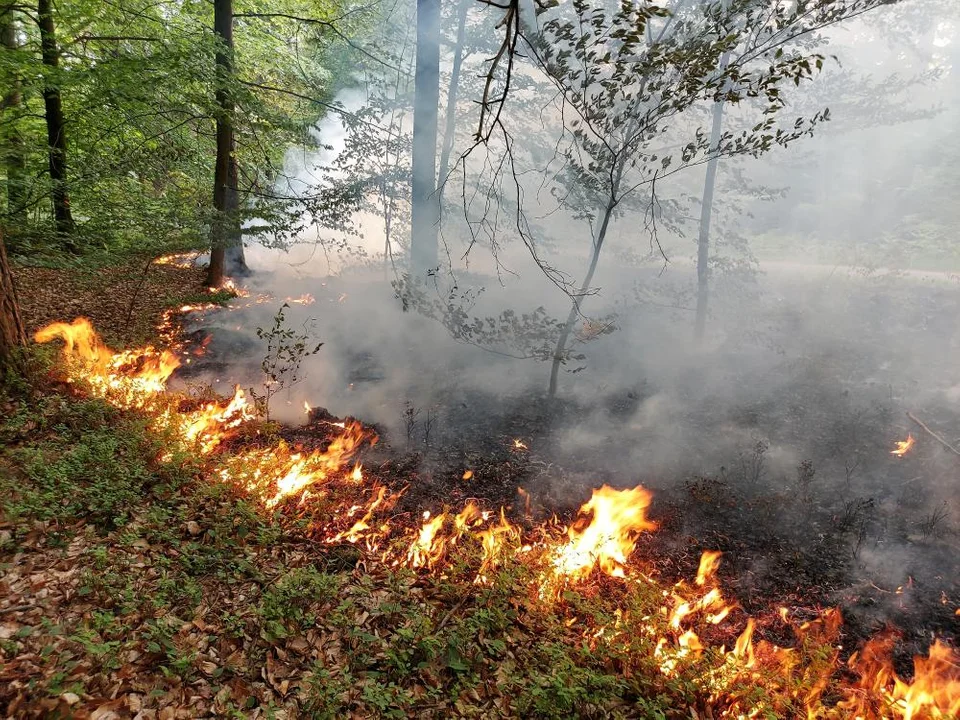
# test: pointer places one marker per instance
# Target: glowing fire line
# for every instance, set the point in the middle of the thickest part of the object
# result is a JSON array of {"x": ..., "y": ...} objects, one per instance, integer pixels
[{"x": 601, "y": 539}]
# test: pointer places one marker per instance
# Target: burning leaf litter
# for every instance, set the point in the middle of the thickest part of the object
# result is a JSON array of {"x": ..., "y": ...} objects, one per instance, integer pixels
[
  {"x": 598, "y": 544},
  {"x": 903, "y": 446}
]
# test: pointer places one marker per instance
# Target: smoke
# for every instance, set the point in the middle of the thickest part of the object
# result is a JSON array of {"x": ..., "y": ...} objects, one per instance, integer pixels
[{"x": 834, "y": 317}]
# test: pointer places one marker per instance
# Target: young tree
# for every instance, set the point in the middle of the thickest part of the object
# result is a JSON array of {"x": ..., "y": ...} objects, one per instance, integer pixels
[
  {"x": 56, "y": 126},
  {"x": 628, "y": 89},
  {"x": 706, "y": 209},
  {"x": 450, "y": 114},
  {"x": 426, "y": 206}
]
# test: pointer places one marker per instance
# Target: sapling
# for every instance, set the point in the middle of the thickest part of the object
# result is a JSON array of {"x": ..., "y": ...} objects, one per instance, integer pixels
[{"x": 286, "y": 350}]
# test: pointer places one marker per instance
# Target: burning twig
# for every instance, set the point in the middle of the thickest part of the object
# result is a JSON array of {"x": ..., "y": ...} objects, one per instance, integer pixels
[
  {"x": 903, "y": 446},
  {"x": 934, "y": 435}
]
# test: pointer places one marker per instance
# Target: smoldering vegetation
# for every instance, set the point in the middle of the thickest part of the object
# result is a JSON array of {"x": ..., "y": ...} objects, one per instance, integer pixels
[{"x": 833, "y": 315}]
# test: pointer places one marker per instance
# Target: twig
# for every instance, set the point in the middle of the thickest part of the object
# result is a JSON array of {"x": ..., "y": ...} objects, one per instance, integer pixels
[
  {"x": 136, "y": 293},
  {"x": 932, "y": 434},
  {"x": 17, "y": 608},
  {"x": 450, "y": 613}
]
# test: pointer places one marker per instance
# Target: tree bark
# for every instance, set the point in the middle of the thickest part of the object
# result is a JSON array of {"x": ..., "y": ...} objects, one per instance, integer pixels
[
  {"x": 426, "y": 207},
  {"x": 56, "y": 134},
  {"x": 13, "y": 148},
  {"x": 226, "y": 243},
  {"x": 450, "y": 114},
  {"x": 706, "y": 209},
  {"x": 578, "y": 299},
  {"x": 12, "y": 335}
]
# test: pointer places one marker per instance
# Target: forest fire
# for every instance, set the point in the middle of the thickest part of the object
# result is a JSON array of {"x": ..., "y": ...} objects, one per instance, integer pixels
[
  {"x": 602, "y": 537},
  {"x": 903, "y": 446},
  {"x": 129, "y": 379},
  {"x": 618, "y": 516}
]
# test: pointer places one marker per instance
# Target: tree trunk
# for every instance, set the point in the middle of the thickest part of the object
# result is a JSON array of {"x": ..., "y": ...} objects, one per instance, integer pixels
[
  {"x": 450, "y": 116},
  {"x": 226, "y": 243},
  {"x": 13, "y": 150},
  {"x": 11, "y": 327},
  {"x": 426, "y": 207},
  {"x": 56, "y": 134},
  {"x": 706, "y": 209},
  {"x": 578, "y": 299}
]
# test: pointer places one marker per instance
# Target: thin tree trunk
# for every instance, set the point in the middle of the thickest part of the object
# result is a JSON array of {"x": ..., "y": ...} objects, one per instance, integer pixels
[
  {"x": 56, "y": 134},
  {"x": 703, "y": 242},
  {"x": 706, "y": 210},
  {"x": 450, "y": 116},
  {"x": 578, "y": 299},
  {"x": 226, "y": 246},
  {"x": 426, "y": 207},
  {"x": 11, "y": 326},
  {"x": 13, "y": 150}
]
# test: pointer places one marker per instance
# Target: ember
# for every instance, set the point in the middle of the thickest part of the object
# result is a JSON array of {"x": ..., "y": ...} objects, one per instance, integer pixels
[{"x": 903, "y": 446}]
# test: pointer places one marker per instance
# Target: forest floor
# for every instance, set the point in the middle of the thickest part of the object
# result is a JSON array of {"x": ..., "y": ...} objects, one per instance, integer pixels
[
  {"x": 124, "y": 301},
  {"x": 134, "y": 584}
]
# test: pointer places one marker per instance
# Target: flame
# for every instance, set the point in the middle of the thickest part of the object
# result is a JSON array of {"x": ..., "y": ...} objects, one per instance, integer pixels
[
  {"x": 431, "y": 544},
  {"x": 231, "y": 285},
  {"x": 493, "y": 543},
  {"x": 709, "y": 562},
  {"x": 317, "y": 467},
  {"x": 604, "y": 535},
  {"x": 426, "y": 550},
  {"x": 214, "y": 423},
  {"x": 933, "y": 693},
  {"x": 306, "y": 407},
  {"x": 131, "y": 379},
  {"x": 903, "y": 446},
  {"x": 618, "y": 516},
  {"x": 304, "y": 299},
  {"x": 181, "y": 260},
  {"x": 362, "y": 526}
]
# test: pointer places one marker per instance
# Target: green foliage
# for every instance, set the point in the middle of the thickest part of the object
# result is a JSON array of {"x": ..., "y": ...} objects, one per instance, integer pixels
[
  {"x": 95, "y": 465},
  {"x": 286, "y": 605},
  {"x": 286, "y": 350},
  {"x": 137, "y": 81}
]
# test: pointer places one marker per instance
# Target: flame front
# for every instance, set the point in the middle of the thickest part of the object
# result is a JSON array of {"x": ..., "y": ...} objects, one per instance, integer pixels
[
  {"x": 618, "y": 517},
  {"x": 603, "y": 536},
  {"x": 129, "y": 379}
]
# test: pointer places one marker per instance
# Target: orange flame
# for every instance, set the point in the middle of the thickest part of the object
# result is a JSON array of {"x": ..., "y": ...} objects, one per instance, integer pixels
[
  {"x": 493, "y": 542},
  {"x": 213, "y": 423},
  {"x": 903, "y": 446},
  {"x": 132, "y": 378},
  {"x": 609, "y": 538},
  {"x": 317, "y": 467},
  {"x": 603, "y": 535},
  {"x": 934, "y": 692}
]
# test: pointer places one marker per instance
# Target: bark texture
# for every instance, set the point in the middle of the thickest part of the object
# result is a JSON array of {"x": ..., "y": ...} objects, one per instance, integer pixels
[
  {"x": 56, "y": 133},
  {"x": 226, "y": 242},
  {"x": 14, "y": 158},
  {"x": 12, "y": 335},
  {"x": 426, "y": 206}
]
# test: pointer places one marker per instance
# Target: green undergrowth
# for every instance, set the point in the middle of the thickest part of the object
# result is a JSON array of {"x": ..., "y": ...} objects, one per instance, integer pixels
[{"x": 180, "y": 580}]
